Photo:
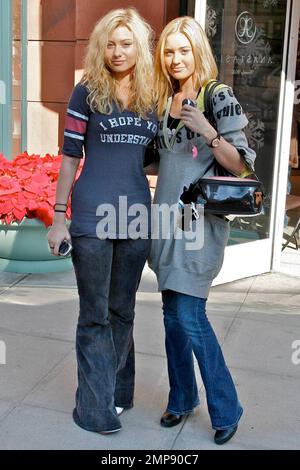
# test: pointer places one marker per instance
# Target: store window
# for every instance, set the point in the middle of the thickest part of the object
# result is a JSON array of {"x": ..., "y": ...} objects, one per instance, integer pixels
[
  {"x": 294, "y": 162},
  {"x": 247, "y": 38}
]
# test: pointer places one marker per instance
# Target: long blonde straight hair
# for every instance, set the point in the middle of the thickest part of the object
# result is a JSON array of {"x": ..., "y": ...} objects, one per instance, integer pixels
[
  {"x": 205, "y": 65},
  {"x": 100, "y": 81}
]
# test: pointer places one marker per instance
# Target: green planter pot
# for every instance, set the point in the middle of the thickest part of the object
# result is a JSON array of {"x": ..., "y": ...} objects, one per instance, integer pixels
[{"x": 24, "y": 249}]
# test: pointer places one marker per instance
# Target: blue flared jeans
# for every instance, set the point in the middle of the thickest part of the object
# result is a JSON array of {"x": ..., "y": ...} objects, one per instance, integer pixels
[
  {"x": 188, "y": 331},
  {"x": 108, "y": 273}
]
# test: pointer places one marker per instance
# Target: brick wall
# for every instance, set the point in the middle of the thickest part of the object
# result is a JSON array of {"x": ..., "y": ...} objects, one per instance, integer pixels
[{"x": 58, "y": 32}]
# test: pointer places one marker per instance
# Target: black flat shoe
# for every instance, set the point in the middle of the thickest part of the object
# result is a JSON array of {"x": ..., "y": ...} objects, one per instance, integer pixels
[
  {"x": 224, "y": 435},
  {"x": 168, "y": 420}
]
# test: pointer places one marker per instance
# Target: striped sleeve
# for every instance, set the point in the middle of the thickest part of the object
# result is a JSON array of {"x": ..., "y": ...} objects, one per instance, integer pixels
[{"x": 77, "y": 118}]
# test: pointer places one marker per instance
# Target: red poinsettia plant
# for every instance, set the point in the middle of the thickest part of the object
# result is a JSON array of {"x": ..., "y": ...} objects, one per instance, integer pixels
[{"x": 28, "y": 187}]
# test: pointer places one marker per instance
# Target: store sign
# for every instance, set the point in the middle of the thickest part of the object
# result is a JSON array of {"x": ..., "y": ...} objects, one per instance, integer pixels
[{"x": 245, "y": 28}]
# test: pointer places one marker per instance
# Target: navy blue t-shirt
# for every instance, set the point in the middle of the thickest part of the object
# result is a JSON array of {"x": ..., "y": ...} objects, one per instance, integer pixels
[{"x": 114, "y": 148}]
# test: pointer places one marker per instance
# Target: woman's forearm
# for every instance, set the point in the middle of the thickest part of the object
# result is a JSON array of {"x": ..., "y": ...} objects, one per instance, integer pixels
[
  {"x": 226, "y": 154},
  {"x": 65, "y": 182},
  {"x": 229, "y": 157}
]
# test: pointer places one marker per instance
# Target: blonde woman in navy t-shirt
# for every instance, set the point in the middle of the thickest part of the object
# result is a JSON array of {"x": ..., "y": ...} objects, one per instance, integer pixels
[{"x": 110, "y": 121}]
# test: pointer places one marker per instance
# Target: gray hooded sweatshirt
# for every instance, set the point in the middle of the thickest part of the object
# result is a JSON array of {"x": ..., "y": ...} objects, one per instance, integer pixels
[{"x": 179, "y": 264}]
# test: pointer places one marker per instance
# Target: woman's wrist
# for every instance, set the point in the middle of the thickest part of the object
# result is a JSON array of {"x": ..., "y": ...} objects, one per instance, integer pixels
[
  {"x": 59, "y": 218},
  {"x": 209, "y": 134}
]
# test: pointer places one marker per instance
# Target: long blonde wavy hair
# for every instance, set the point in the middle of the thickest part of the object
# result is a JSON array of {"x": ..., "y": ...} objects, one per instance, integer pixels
[
  {"x": 101, "y": 82},
  {"x": 205, "y": 65}
]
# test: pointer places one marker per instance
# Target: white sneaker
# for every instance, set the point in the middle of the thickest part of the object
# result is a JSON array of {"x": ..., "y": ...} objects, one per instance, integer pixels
[
  {"x": 104, "y": 433},
  {"x": 119, "y": 410}
]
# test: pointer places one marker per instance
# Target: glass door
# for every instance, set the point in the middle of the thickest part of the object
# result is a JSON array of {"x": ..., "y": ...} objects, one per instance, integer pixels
[{"x": 249, "y": 40}]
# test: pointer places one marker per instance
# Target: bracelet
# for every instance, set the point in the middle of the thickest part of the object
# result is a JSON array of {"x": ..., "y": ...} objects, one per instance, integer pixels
[{"x": 57, "y": 210}]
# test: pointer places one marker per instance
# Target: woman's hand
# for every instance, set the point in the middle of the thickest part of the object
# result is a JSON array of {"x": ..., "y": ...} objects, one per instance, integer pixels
[
  {"x": 57, "y": 233},
  {"x": 195, "y": 120}
]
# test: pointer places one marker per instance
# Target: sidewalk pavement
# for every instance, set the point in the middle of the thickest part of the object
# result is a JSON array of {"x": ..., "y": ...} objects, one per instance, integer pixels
[{"x": 256, "y": 320}]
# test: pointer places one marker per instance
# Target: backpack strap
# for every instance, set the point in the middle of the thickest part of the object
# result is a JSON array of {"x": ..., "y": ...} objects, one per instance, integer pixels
[{"x": 204, "y": 99}]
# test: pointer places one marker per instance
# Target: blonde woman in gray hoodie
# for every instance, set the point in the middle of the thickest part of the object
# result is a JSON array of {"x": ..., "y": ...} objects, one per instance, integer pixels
[{"x": 188, "y": 146}]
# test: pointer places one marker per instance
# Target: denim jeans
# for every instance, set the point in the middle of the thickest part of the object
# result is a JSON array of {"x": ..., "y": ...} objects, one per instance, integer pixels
[
  {"x": 189, "y": 331},
  {"x": 108, "y": 273}
]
